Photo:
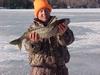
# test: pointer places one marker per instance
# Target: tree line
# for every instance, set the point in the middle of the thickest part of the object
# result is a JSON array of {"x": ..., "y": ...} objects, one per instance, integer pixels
[
  {"x": 16, "y": 4},
  {"x": 28, "y": 4}
]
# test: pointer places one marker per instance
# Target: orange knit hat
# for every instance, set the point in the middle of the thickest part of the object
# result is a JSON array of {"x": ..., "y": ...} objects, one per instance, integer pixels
[{"x": 39, "y": 4}]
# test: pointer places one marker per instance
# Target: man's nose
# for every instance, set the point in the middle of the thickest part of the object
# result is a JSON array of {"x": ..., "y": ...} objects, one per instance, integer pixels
[{"x": 45, "y": 12}]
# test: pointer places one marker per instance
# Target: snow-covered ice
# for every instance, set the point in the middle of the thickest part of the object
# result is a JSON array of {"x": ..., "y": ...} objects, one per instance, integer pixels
[{"x": 85, "y": 51}]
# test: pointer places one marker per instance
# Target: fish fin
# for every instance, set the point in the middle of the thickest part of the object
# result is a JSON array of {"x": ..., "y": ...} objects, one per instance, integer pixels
[
  {"x": 14, "y": 42},
  {"x": 17, "y": 42},
  {"x": 20, "y": 46}
]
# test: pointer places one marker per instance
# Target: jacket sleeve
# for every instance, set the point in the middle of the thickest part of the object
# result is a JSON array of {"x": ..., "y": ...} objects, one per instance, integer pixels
[{"x": 69, "y": 37}]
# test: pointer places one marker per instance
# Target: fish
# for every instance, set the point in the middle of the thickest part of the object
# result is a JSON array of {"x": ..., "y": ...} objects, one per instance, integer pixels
[{"x": 44, "y": 32}]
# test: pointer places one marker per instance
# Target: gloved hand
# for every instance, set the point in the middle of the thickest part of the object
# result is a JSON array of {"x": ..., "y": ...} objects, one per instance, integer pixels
[
  {"x": 33, "y": 37},
  {"x": 62, "y": 27}
]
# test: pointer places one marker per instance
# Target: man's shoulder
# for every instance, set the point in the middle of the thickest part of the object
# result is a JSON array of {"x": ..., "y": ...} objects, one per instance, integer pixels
[{"x": 33, "y": 26}]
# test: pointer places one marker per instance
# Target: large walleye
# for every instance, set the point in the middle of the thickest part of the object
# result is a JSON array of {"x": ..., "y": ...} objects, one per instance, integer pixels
[{"x": 44, "y": 32}]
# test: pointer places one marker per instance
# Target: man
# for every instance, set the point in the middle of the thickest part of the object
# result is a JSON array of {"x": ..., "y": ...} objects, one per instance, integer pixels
[{"x": 49, "y": 56}]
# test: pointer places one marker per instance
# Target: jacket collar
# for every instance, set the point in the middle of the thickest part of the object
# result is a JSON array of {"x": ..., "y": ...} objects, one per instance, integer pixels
[{"x": 39, "y": 22}]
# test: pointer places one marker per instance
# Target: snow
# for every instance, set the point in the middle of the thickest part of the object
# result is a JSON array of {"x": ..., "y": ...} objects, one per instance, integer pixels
[
  {"x": 56, "y": 10},
  {"x": 85, "y": 51}
]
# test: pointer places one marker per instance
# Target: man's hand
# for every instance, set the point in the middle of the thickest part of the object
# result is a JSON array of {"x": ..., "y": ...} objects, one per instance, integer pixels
[
  {"x": 62, "y": 28},
  {"x": 33, "y": 37}
]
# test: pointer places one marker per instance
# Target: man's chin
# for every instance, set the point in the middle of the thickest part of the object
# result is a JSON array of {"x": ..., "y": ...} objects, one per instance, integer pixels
[{"x": 45, "y": 20}]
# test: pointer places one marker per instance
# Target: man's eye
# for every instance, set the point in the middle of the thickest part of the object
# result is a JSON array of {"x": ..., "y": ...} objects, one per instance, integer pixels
[{"x": 41, "y": 10}]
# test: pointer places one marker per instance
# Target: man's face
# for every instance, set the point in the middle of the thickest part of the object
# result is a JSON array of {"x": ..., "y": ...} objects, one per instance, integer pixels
[{"x": 44, "y": 14}]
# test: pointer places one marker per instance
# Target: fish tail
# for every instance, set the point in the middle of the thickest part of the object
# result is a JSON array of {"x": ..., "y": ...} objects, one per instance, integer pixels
[{"x": 17, "y": 42}]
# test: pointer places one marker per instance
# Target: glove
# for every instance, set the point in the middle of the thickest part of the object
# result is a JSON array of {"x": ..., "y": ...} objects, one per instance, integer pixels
[
  {"x": 62, "y": 28},
  {"x": 33, "y": 37}
]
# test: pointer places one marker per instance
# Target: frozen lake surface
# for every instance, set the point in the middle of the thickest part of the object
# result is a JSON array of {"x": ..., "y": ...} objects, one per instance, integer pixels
[{"x": 85, "y": 51}]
